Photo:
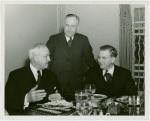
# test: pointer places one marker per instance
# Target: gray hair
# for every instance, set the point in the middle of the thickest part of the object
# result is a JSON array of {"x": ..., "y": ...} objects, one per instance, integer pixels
[
  {"x": 36, "y": 49},
  {"x": 73, "y": 15}
]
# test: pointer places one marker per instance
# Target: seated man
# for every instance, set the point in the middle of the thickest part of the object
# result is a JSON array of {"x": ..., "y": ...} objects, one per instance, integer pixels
[
  {"x": 32, "y": 84},
  {"x": 111, "y": 80}
]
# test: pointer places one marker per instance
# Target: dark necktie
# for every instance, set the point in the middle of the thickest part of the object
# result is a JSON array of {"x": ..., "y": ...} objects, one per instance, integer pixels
[
  {"x": 39, "y": 77},
  {"x": 108, "y": 77},
  {"x": 70, "y": 42}
]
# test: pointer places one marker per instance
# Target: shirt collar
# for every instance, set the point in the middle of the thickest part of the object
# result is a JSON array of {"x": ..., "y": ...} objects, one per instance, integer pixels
[
  {"x": 111, "y": 70},
  {"x": 34, "y": 71},
  {"x": 68, "y": 38}
]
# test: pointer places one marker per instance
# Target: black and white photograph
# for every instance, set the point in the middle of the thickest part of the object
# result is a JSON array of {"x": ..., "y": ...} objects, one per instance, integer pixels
[{"x": 74, "y": 60}]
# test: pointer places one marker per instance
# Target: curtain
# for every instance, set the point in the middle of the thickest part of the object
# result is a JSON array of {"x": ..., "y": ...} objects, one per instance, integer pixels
[{"x": 125, "y": 42}]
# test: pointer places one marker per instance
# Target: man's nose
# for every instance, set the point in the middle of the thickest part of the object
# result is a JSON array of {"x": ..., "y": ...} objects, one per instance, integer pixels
[{"x": 69, "y": 28}]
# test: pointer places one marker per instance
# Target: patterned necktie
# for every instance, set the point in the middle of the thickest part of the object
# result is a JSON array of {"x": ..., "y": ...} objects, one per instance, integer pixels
[
  {"x": 39, "y": 77},
  {"x": 70, "y": 42},
  {"x": 108, "y": 77}
]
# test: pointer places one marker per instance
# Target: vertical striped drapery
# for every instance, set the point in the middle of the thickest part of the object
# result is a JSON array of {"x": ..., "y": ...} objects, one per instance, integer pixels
[{"x": 125, "y": 42}]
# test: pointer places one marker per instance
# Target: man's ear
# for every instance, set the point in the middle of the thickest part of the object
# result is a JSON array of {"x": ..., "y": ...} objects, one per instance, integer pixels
[
  {"x": 78, "y": 27},
  {"x": 35, "y": 58},
  {"x": 113, "y": 59}
]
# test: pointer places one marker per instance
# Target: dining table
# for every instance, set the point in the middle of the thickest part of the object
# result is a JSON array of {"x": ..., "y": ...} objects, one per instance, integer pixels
[{"x": 71, "y": 111}]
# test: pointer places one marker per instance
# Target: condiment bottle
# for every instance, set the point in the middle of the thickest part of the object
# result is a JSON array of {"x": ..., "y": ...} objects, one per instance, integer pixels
[
  {"x": 101, "y": 113},
  {"x": 130, "y": 100},
  {"x": 133, "y": 100},
  {"x": 138, "y": 100},
  {"x": 95, "y": 112}
]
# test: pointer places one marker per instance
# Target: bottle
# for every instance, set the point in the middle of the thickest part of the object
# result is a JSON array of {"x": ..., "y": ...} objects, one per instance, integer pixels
[
  {"x": 137, "y": 107},
  {"x": 129, "y": 100},
  {"x": 138, "y": 100},
  {"x": 101, "y": 113},
  {"x": 133, "y": 100},
  {"x": 130, "y": 105},
  {"x": 95, "y": 112},
  {"x": 137, "y": 110},
  {"x": 130, "y": 109}
]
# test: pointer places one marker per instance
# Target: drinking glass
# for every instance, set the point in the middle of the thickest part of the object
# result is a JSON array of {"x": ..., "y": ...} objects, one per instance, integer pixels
[
  {"x": 84, "y": 108},
  {"x": 80, "y": 95},
  {"x": 90, "y": 89}
]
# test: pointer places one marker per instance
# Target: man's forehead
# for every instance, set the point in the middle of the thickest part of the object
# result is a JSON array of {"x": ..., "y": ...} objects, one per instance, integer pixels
[
  {"x": 71, "y": 19},
  {"x": 45, "y": 50},
  {"x": 104, "y": 53}
]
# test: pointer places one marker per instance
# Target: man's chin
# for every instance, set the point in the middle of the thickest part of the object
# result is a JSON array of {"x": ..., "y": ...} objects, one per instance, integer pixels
[
  {"x": 69, "y": 35},
  {"x": 102, "y": 67}
]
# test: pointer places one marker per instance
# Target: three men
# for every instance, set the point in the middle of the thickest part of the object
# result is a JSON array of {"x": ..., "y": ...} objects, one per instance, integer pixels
[
  {"x": 110, "y": 79},
  {"x": 69, "y": 50},
  {"x": 32, "y": 84}
]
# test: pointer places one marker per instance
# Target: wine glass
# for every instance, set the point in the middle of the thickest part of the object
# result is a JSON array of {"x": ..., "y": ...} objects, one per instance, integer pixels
[
  {"x": 83, "y": 106},
  {"x": 90, "y": 89},
  {"x": 80, "y": 95}
]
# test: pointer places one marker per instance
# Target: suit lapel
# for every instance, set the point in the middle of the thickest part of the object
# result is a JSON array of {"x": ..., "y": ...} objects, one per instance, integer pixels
[
  {"x": 75, "y": 41},
  {"x": 62, "y": 41},
  {"x": 46, "y": 81},
  {"x": 63, "y": 45},
  {"x": 100, "y": 78},
  {"x": 30, "y": 81},
  {"x": 116, "y": 76}
]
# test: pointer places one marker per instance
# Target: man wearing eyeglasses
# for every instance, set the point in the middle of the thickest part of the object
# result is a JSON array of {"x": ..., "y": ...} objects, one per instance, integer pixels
[
  {"x": 32, "y": 84},
  {"x": 110, "y": 79}
]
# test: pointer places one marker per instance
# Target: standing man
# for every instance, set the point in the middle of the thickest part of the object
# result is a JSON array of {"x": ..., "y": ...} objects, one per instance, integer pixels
[
  {"x": 32, "y": 84},
  {"x": 111, "y": 80},
  {"x": 69, "y": 50}
]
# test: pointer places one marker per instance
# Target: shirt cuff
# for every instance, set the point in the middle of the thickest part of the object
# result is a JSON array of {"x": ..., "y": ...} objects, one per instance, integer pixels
[{"x": 26, "y": 103}]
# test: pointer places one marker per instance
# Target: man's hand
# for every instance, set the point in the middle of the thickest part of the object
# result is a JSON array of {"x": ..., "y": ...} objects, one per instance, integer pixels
[
  {"x": 35, "y": 95},
  {"x": 55, "y": 96}
]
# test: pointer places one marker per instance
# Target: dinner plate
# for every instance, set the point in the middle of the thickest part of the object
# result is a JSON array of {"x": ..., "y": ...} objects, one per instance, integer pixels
[
  {"x": 123, "y": 99},
  {"x": 99, "y": 96},
  {"x": 61, "y": 104},
  {"x": 96, "y": 98}
]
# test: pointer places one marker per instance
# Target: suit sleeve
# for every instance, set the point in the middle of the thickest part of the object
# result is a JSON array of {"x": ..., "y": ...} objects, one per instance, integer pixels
[
  {"x": 88, "y": 54},
  {"x": 51, "y": 46},
  {"x": 130, "y": 85},
  {"x": 55, "y": 82},
  {"x": 58, "y": 86},
  {"x": 88, "y": 78},
  {"x": 14, "y": 99}
]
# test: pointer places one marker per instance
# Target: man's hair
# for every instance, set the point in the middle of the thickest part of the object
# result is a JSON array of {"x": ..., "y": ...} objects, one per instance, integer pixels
[
  {"x": 73, "y": 15},
  {"x": 112, "y": 50},
  {"x": 36, "y": 49}
]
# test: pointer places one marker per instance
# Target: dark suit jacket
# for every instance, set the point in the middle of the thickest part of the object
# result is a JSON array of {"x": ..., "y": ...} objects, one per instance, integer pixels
[
  {"x": 21, "y": 81},
  {"x": 68, "y": 63},
  {"x": 123, "y": 83}
]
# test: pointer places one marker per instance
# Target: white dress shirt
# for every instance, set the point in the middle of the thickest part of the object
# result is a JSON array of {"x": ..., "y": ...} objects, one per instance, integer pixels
[
  {"x": 111, "y": 71},
  {"x": 34, "y": 71},
  {"x": 68, "y": 38}
]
